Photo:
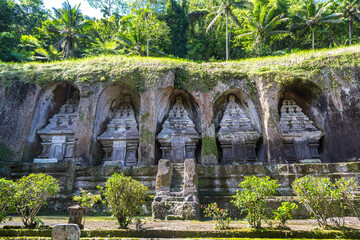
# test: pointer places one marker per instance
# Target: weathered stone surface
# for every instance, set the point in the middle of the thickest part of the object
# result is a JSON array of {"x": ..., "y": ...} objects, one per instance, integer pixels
[
  {"x": 163, "y": 176},
  {"x": 301, "y": 137},
  {"x": 237, "y": 136},
  {"x": 66, "y": 232},
  {"x": 178, "y": 137},
  {"x": 190, "y": 178},
  {"x": 58, "y": 136},
  {"x": 182, "y": 197},
  {"x": 121, "y": 139}
]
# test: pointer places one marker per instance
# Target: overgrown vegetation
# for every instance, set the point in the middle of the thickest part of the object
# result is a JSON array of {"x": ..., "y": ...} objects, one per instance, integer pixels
[{"x": 140, "y": 73}]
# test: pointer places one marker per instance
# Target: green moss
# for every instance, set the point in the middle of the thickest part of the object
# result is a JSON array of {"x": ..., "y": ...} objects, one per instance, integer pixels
[
  {"x": 146, "y": 136},
  {"x": 6, "y": 154},
  {"x": 209, "y": 146},
  {"x": 144, "y": 116}
]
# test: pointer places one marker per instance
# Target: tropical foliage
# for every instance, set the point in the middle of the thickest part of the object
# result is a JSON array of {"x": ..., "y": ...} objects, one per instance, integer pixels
[{"x": 200, "y": 30}]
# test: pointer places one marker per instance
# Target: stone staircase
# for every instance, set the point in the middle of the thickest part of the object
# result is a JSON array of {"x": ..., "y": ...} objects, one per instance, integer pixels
[
  {"x": 177, "y": 181},
  {"x": 176, "y": 190}
]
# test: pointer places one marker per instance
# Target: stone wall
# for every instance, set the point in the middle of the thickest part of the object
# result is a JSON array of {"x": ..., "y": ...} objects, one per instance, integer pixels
[{"x": 216, "y": 183}]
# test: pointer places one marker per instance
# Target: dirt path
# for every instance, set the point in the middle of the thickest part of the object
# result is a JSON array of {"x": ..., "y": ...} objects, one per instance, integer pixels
[{"x": 107, "y": 223}]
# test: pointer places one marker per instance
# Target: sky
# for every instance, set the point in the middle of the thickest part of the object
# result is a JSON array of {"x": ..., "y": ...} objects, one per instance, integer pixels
[{"x": 85, "y": 7}]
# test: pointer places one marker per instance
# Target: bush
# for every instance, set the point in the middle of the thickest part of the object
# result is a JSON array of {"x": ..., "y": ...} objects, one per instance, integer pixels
[
  {"x": 253, "y": 197},
  {"x": 7, "y": 194},
  {"x": 324, "y": 199},
  {"x": 284, "y": 212},
  {"x": 87, "y": 199},
  {"x": 124, "y": 197},
  {"x": 32, "y": 193},
  {"x": 344, "y": 193},
  {"x": 222, "y": 221}
]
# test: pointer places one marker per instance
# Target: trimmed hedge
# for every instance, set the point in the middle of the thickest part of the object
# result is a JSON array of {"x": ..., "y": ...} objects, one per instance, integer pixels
[{"x": 239, "y": 233}]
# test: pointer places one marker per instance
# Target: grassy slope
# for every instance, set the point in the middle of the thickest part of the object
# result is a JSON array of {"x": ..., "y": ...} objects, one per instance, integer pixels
[{"x": 138, "y": 72}]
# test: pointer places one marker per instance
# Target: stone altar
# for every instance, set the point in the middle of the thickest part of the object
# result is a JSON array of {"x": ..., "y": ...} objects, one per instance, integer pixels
[
  {"x": 300, "y": 136},
  {"x": 57, "y": 138},
  {"x": 121, "y": 139},
  {"x": 178, "y": 137},
  {"x": 237, "y": 136}
]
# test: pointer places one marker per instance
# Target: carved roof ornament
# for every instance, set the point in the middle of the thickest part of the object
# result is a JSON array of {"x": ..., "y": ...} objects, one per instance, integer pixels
[
  {"x": 178, "y": 122},
  {"x": 123, "y": 125},
  {"x": 178, "y": 138},
  {"x": 64, "y": 121},
  {"x": 121, "y": 138},
  {"x": 235, "y": 119},
  {"x": 237, "y": 135},
  {"x": 57, "y": 138},
  {"x": 295, "y": 124}
]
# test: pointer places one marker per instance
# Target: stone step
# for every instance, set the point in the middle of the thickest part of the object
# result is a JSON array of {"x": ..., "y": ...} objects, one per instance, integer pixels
[{"x": 176, "y": 189}]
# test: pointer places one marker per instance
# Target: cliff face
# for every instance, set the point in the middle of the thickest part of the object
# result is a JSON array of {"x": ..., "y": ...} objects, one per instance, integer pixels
[{"x": 324, "y": 86}]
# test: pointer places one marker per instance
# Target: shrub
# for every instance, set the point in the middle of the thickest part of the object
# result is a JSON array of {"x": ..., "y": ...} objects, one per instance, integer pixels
[
  {"x": 324, "y": 199},
  {"x": 222, "y": 221},
  {"x": 344, "y": 193},
  {"x": 284, "y": 212},
  {"x": 32, "y": 193},
  {"x": 253, "y": 197},
  {"x": 87, "y": 199},
  {"x": 124, "y": 197},
  {"x": 7, "y": 193}
]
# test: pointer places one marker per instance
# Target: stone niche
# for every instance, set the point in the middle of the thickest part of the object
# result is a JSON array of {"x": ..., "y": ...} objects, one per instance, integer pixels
[
  {"x": 300, "y": 137},
  {"x": 121, "y": 139},
  {"x": 57, "y": 138},
  {"x": 237, "y": 136},
  {"x": 178, "y": 138}
]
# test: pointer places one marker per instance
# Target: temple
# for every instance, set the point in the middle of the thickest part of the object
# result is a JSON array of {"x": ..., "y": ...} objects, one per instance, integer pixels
[
  {"x": 121, "y": 138},
  {"x": 237, "y": 136},
  {"x": 300, "y": 136}
]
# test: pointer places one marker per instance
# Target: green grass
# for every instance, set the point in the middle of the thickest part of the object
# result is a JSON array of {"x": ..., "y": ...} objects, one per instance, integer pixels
[{"x": 141, "y": 73}]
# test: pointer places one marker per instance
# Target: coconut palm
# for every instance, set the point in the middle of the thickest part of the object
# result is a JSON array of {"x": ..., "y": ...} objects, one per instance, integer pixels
[
  {"x": 225, "y": 8},
  {"x": 69, "y": 23},
  {"x": 262, "y": 22},
  {"x": 312, "y": 15},
  {"x": 350, "y": 10}
]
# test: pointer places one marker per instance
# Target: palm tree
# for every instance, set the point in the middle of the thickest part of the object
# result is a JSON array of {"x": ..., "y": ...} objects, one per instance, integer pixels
[
  {"x": 69, "y": 23},
  {"x": 263, "y": 21},
  {"x": 225, "y": 8},
  {"x": 350, "y": 10},
  {"x": 312, "y": 15}
]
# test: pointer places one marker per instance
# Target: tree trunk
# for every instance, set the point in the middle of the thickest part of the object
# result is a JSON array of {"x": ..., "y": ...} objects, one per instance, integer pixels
[
  {"x": 227, "y": 37},
  {"x": 350, "y": 29},
  {"x": 313, "y": 39},
  {"x": 147, "y": 46}
]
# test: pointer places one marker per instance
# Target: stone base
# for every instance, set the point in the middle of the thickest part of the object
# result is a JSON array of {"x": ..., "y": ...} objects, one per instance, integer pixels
[
  {"x": 66, "y": 232},
  {"x": 185, "y": 209},
  {"x": 310, "y": 161},
  {"x": 45, "y": 160},
  {"x": 113, "y": 163}
]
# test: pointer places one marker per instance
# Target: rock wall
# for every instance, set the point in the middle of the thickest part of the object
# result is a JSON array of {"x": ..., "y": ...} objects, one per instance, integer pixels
[{"x": 26, "y": 108}]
